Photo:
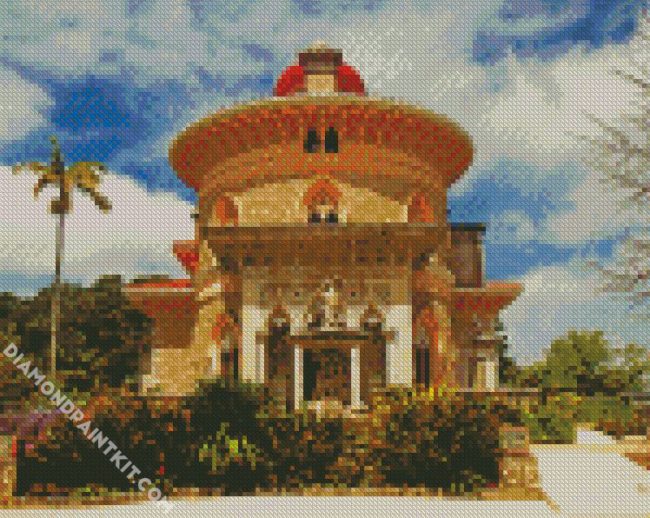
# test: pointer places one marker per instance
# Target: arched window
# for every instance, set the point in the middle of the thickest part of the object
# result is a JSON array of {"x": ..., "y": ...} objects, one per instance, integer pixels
[
  {"x": 422, "y": 357},
  {"x": 322, "y": 203},
  {"x": 425, "y": 343},
  {"x": 229, "y": 356},
  {"x": 331, "y": 140},
  {"x": 372, "y": 320},
  {"x": 312, "y": 141},
  {"x": 225, "y": 343},
  {"x": 226, "y": 211},
  {"x": 419, "y": 210},
  {"x": 277, "y": 351}
]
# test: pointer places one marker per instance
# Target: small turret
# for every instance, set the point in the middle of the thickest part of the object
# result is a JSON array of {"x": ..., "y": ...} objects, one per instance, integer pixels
[{"x": 320, "y": 70}]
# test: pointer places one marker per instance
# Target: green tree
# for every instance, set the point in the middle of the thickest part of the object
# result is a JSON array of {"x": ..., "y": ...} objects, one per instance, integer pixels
[
  {"x": 630, "y": 370},
  {"x": 578, "y": 361},
  {"x": 508, "y": 369},
  {"x": 104, "y": 337},
  {"x": 83, "y": 176},
  {"x": 583, "y": 378},
  {"x": 586, "y": 363}
]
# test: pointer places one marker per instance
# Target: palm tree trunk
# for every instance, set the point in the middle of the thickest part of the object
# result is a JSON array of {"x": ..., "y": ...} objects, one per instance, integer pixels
[{"x": 55, "y": 321}]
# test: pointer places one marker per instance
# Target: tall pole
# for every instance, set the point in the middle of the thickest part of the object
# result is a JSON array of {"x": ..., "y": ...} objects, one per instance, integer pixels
[{"x": 60, "y": 207}]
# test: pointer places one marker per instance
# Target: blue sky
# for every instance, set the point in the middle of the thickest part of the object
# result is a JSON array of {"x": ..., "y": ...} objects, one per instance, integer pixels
[{"x": 116, "y": 82}]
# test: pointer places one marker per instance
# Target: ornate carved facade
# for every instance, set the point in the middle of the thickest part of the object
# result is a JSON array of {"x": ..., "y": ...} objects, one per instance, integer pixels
[{"x": 323, "y": 263}]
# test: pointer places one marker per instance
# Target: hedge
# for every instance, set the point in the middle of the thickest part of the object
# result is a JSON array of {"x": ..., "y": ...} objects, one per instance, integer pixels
[{"x": 225, "y": 438}]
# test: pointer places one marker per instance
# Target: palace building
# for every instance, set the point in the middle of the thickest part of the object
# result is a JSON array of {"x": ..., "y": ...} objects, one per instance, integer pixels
[{"x": 323, "y": 264}]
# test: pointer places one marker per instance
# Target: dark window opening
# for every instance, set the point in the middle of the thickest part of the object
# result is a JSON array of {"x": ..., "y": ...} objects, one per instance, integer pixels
[
  {"x": 310, "y": 372},
  {"x": 322, "y": 216},
  {"x": 312, "y": 142},
  {"x": 422, "y": 366},
  {"x": 331, "y": 141},
  {"x": 230, "y": 364},
  {"x": 372, "y": 327}
]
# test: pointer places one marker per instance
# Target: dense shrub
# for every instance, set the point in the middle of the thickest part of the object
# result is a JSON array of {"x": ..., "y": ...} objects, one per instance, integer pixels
[
  {"x": 553, "y": 419},
  {"x": 226, "y": 446},
  {"x": 224, "y": 438},
  {"x": 612, "y": 414},
  {"x": 235, "y": 464},
  {"x": 584, "y": 378},
  {"x": 434, "y": 440},
  {"x": 162, "y": 436},
  {"x": 304, "y": 449},
  {"x": 138, "y": 426}
]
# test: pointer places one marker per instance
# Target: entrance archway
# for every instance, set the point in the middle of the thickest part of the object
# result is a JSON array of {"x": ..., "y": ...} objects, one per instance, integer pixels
[
  {"x": 224, "y": 354},
  {"x": 327, "y": 375},
  {"x": 278, "y": 357}
]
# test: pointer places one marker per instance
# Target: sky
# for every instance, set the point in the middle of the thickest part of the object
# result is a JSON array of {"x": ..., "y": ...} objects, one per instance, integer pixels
[{"x": 115, "y": 81}]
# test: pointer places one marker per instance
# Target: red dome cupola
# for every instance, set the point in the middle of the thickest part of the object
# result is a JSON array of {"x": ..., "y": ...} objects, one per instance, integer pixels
[{"x": 319, "y": 70}]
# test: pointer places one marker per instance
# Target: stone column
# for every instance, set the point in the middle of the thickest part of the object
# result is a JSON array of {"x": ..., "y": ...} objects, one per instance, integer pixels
[
  {"x": 517, "y": 465},
  {"x": 355, "y": 377},
  {"x": 210, "y": 297},
  {"x": 443, "y": 359},
  {"x": 254, "y": 319},
  {"x": 260, "y": 351},
  {"x": 297, "y": 377},
  {"x": 491, "y": 375},
  {"x": 205, "y": 351},
  {"x": 213, "y": 359},
  {"x": 399, "y": 349},
  {"x": 442, "y": 352}
]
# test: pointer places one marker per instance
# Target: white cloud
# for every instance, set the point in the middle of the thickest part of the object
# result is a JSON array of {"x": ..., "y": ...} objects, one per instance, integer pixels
[
  {"x": 513, "y": 226},
  {"x": 76, "y": 37},
  {"x": 557, "y": 299},
  {"x": 520, "y": 108},
  {"x": 599, "y": 209},
  {"x": 528, "y": 110},
  {"x": 598, "y": 212},
  {"x": 135, "y": 238},
  {"x": 21, "y": 106}
]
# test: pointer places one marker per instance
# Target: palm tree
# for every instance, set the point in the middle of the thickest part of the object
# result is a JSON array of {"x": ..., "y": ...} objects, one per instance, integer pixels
[{"x": 80, "y": 175}]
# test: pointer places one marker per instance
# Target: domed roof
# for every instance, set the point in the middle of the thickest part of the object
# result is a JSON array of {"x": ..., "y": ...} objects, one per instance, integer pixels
[
  {"x": 320, "y": 62},
  {"x": 392, "y": 146}
]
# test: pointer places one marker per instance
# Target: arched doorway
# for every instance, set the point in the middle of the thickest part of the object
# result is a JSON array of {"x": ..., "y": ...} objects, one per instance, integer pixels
[
  {"x": 278, "y": 357},
  {"x": 373, "y": 352},
  {"x": 422, "y": 357},
  {"x": 224, "y": 350},
  {"x": 430, "y": 345}
]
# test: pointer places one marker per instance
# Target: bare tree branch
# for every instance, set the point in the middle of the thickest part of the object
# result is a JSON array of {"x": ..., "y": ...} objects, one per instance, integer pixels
[{"x": 638, "y": 81}]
